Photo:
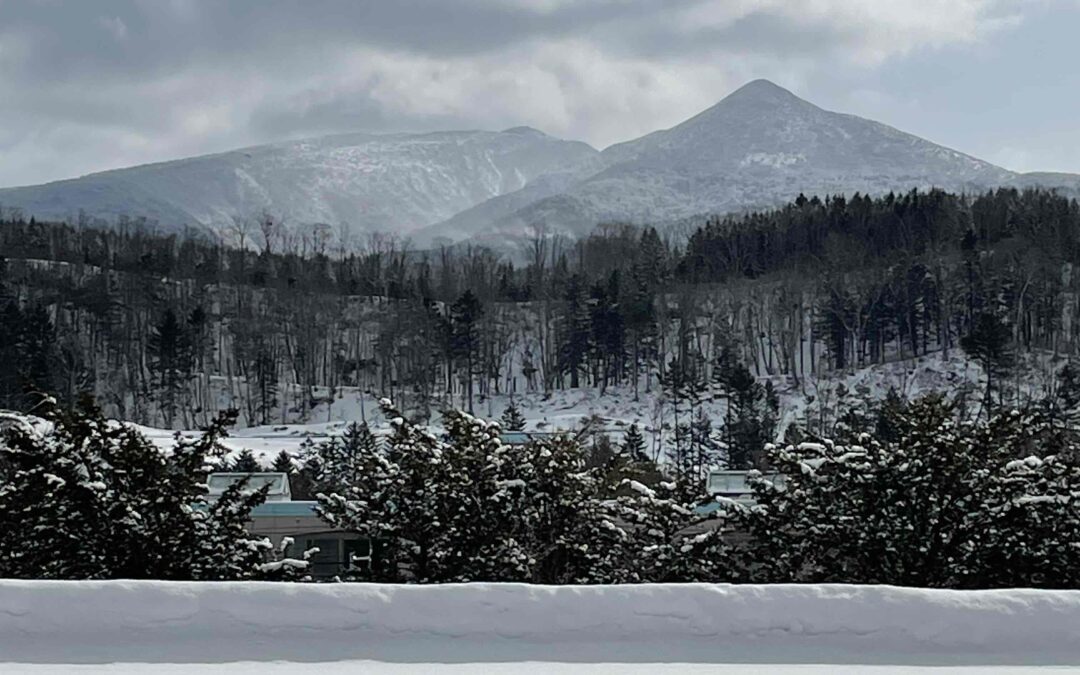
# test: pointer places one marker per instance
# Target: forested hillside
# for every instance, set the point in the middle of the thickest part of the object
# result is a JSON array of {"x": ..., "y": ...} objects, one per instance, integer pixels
[{"x": 165, "y": 329}]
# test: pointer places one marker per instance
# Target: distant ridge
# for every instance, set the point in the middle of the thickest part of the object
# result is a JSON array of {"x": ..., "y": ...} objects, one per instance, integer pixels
[{"x": 759, "y": 146}]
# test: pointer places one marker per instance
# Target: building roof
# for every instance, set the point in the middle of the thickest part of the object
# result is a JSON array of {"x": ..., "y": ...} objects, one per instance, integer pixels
[{"x": 279, "y": 491}]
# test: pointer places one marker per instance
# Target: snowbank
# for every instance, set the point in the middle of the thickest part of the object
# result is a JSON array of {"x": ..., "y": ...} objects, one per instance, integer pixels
[{"x": 160, "y": 622}]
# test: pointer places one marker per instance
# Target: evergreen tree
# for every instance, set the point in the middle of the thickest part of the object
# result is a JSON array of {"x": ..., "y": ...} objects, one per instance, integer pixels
[
  {"x": 470, "y": 508},
  {"x": 888, "y": 425},
  {"x": 283, "y": 463},
  {"x": 435, "y": 509},
  {"x": 11, "y": 381},
  {"x": 660, "y": 550},
  {"x": 245, "y": 463},
  {"x": 990, "y": 343},
  {"x": 633, "y": 445},
  {"x": 169, "y": 354},
  {"x": 265, "y": 374},
  {"x": 91, "y": 499},
  {"x": 944, "y": 505},
  {"x": 512, "y": 419},
  {"x": 751, "y": 411},
  {"x": 342, "y": 461},
  {"x": 575, "y": 330},
  {"x": 465, "y": 315}
]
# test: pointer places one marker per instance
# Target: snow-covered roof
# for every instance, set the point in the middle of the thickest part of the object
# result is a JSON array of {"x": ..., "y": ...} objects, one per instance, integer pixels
[{"x": 279, "y": 491}]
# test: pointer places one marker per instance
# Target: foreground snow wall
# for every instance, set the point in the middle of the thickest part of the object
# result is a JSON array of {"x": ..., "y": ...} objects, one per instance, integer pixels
[{"x": 96, "y": 622}]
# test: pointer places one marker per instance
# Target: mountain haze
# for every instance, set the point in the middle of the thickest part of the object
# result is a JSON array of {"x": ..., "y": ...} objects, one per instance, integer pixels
[
  {"x": 758, "y": 147},
  {"x": 395, "y": 182}
]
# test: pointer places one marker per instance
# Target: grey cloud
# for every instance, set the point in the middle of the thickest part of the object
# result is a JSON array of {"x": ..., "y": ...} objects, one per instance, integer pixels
[{"x": 157, "y": 79}]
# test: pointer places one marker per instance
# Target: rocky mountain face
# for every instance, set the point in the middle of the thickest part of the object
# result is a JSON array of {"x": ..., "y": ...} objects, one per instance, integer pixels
[{"x": 758, "y": 147}]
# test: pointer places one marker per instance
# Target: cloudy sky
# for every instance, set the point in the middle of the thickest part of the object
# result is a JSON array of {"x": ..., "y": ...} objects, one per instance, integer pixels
[{"x": 92, "y": 85}]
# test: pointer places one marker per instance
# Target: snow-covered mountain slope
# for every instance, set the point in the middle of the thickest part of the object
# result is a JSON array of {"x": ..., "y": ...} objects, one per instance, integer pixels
[
  {"x": 758, "y": 147},
  {"x": 394, "y": 183}
]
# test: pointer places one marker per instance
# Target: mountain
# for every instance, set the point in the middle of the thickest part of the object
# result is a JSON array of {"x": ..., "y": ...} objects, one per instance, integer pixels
[
  {"x": 758, "y": 147},
  {"x": 397, "y": 182}
]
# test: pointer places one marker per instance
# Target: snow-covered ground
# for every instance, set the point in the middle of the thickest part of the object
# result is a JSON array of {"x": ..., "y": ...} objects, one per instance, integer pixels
[
  {"x": 132, "y": 626},
  {"x": 519, "y": 668},
  {"x": 613, "y": 410}
]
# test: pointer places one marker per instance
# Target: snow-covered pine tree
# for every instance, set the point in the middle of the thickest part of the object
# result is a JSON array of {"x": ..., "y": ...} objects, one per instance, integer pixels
[
  {"x": 1026, "y": 529},
  {"x": 451, "y": 509},
  {"x": 94, "y": 499},
  {"x": 668, "y": 540},
  {"x": 245, "y": 463},
  {"x": 483, "y": 498},
  {"x": 512, "y": 419},
  {"x": 341, "y": 461},
  {"x": 571, "y": 532},
  {"x": 397, "y": 506},
  {"x": 944, "y": 505},
  {"x": 283, "y": 463}
]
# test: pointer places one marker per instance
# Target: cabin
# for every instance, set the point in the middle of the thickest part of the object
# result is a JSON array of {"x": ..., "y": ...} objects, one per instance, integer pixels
[
  {"x": 732, "y": 485},
  {"x": 280, "y": 516}
]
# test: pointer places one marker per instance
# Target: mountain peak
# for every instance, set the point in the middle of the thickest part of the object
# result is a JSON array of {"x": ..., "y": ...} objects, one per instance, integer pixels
[
  {"x": 761, "y": 90},
  {"x": 524, "y": 131}
]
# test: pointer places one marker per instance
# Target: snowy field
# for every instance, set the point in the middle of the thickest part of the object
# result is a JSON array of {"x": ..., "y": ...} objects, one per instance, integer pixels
[
  {"x": 135, "y": 627},
  {"x": 616, "y": 408},
  {"x": 528, "y": 668}
]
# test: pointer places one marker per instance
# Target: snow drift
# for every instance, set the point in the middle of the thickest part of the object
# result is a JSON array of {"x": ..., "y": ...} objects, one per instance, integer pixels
[{"x": 148, "y": 621}]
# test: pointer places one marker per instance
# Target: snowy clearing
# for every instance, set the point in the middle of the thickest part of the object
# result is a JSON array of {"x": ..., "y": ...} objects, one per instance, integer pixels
[{"x": 271, "y": 626}]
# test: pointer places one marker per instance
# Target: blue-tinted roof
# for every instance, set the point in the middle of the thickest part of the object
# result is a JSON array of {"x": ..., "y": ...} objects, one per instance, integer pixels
[
  {"x": 706, "y": 509},
  {"x": 285, "y": 509}
]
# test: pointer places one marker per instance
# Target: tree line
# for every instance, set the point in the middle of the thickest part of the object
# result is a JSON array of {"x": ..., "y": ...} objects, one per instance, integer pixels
[
  {"x": 906, "y": 494},
  {"x": 167, "y": 329}
]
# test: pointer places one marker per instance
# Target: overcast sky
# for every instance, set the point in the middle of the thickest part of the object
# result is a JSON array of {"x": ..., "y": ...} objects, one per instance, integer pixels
[{"x": 92, "y": 85}]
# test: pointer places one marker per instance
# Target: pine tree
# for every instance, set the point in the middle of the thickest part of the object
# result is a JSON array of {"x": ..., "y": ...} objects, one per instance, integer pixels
[
  {"x": 341, "y": 462},
  {"x": 169, "y": 354},
  {"x": 12, "y": 380},
  {"x": 943, "y": 505},
  {"x": 888, "y": 425},
  {"x": 246, "y": 463},
  {"x": 266, "y": 381},
  {"x": 660, "y": 551},
  {"x": 633, "y": 444},
  {"x": 468, "y": 507},
  {"x": 512, "y": 419},
  {"x": 283, "y": 463},
  {"x": 751, "y": 411},
  {"x": 990, "y": 343},
  {"x": 465, "y": 315},
  {"x": 91, "y": 499},
  {"x": 575, "y": 331}
]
